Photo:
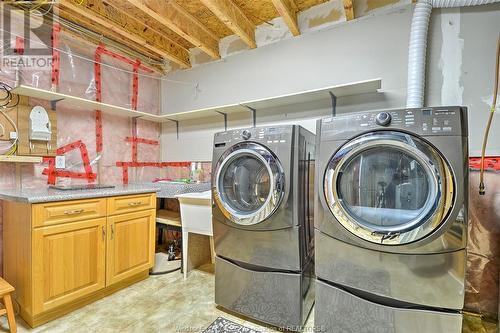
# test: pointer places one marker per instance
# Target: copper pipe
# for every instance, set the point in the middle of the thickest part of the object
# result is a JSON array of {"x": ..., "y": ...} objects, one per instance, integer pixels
[{"x": 482, "y": 190}]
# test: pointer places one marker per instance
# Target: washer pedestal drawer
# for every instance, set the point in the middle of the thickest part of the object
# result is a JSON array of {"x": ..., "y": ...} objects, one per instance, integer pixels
[
  {"x": 280, "y": 299},
  {"x": 337, "y": 310}
]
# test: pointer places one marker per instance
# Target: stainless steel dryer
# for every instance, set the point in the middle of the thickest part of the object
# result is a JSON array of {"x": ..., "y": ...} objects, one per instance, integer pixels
[
  {"x": 263, "y": 183},
  {"x": 391, "y": 221}
]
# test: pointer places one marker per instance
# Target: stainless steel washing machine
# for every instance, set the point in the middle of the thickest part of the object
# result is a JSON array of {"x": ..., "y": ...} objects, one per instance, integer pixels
[
  {"x": 391, "y": 221},
  {"x": 263, "y": 184}
]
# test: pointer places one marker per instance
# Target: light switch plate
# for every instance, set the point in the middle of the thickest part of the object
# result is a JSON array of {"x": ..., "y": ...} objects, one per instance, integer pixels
[{"x": 60, "y": 162}]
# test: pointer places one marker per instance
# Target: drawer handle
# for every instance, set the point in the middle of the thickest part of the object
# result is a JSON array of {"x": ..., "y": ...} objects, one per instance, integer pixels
[
  {"x": 73, "y": 212},
  {"x": 135, "y": 203},
  {"x": 112, "y": 231},
  {"x": 103, "y": 233}
]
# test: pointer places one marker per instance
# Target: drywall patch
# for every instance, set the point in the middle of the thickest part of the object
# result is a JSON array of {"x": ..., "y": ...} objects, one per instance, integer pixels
[
  {"x": 333, "y": 16},
  {"x": 369, "y": 7},
  {"x": 236, "y": 46},
  {"x": 198, "y": 57},
  {"x": 374, "y": 4},
  {"x": 271, "y": 32},
  {"x": 451, "y": 58},
  {"x": 231, "y": 45},
  {"x": 321, "y": 16}
]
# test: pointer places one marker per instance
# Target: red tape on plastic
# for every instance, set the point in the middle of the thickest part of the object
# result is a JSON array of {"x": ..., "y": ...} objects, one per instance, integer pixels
[
  {"x": 19, "y": 48},
  {"x": 98, "y": 97},
  {"x": 56, "y": 57},
  {"x": 54, "y": 174},
  {"x": 490, "y": 163},
  {"x": 142, "y": 140}
]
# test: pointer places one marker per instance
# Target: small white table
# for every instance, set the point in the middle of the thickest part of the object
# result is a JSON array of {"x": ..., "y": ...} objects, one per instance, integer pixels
[{"x": 196, "y": 217}]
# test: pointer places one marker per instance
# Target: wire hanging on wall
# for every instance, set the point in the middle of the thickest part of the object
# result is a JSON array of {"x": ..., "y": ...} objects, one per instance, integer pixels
[{"x": 5, "y": 103}]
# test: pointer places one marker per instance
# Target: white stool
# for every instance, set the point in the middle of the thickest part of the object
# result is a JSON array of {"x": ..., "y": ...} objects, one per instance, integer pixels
[{"x": 196, "y": 217}]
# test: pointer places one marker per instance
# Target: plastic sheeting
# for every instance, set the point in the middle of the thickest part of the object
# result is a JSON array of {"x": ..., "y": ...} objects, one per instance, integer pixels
[
  {"x": 482, "y": 279},
  {"x": 77, "y": 79}
]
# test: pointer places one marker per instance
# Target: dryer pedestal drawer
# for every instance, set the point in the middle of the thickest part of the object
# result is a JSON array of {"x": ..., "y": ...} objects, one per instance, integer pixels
[
  {"x": 339, "y": 311},
  {"x": 272, "y": 297},
  {"x": 277, "y": 249},
  {"x": 434, "y": 280}
]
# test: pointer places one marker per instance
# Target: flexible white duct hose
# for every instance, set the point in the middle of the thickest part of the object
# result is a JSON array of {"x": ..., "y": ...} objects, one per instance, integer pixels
[
  {"x": 417, "y": 49},
  {"x": 416, "y": 54}
]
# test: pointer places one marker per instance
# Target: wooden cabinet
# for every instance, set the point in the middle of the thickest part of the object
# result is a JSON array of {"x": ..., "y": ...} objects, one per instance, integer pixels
[
  {"x": 68, "y": 211},
  {"x": 60, "y": 256},
  {"x": 68, "y": 262},
  {"x": 130, "y": 245},
  {"x": 130, "y": 203}
]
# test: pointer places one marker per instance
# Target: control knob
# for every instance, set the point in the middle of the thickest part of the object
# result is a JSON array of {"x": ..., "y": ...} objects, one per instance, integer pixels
[
  {"x": 246, "y": 134},
  {"x": 383, "y": 119}
]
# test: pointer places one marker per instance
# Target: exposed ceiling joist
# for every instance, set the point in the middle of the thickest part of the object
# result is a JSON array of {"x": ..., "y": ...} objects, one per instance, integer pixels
[
  {"x": 168, "y": 49},
  {"x": 178, "y": 20},
  {"x": 288, "y": 10},
  {"x": 147, "y": 23},
  {"x": 349, "y": 9},
  {"x": 234, "y": 19}
]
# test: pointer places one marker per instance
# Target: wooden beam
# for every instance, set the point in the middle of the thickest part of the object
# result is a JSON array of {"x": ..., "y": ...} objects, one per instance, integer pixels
[
  {"x": 138, "y": 16},
  {"x": 288, "y": 10},
  {"x": 234, "y": 19},
  {"x": 170, "y": 14},
  {"x": 167, "y": 50},
  {"x": 349, "y": 9}
]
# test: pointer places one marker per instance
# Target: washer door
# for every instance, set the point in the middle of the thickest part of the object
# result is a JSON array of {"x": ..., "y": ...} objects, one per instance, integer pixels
[
  {"x": 389, "y": 188},
  {"x": 249, "y": 183}
]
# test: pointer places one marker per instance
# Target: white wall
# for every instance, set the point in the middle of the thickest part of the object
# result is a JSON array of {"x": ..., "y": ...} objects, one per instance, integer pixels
[{"x": 461, "y": 59}]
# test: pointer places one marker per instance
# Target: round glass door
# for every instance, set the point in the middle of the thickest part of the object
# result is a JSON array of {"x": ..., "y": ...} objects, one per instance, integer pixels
[
  {"x": 389, "y": 187},
  {"x": 249, "y": 183}
]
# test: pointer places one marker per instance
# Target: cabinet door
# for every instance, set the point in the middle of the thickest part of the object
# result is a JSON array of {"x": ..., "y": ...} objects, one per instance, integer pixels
[
  {"x": 68, "y": 262},
  {"x": 130, "y": 245}
]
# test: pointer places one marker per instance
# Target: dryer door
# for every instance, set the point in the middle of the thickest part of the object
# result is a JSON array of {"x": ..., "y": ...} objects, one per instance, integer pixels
[
  {"x": 389, "y": 187},
  {"x": 249, "y": 183}
]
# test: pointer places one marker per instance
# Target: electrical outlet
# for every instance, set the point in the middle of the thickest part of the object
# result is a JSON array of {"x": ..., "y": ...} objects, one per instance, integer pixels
[
  {"x": 60, "y": 162},
  {"x": 13, "y": 135}
]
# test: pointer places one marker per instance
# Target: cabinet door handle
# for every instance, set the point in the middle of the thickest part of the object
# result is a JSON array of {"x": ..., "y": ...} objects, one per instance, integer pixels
[
  {"x": 103, "y": 233},
  {"x": 135, "y": 203},
  {"x": 112, "y": 231},
  {"x": 73, "y": 212}
]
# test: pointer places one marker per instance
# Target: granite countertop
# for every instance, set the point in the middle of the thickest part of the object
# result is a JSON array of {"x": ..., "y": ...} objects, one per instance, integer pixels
[
  {"x": 171, "y": 189},
  {"x": 163, "y": 190},
  {"x": 50, "y": 195}
]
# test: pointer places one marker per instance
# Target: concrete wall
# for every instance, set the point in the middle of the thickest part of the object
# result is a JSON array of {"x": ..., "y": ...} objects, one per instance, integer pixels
[{"x": 460, "y": 71}]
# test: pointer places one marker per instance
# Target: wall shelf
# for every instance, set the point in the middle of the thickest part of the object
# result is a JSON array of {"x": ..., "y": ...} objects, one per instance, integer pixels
[
  {"x": 69, "y": 100},
  {"x": 349, "y": 89},
  {"x": 20, "y": 159}
]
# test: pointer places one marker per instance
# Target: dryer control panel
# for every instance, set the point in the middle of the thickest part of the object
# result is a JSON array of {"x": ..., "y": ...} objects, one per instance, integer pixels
[
  {"x": 424, "y": 121},
  {"x": 264, "y": 135}
]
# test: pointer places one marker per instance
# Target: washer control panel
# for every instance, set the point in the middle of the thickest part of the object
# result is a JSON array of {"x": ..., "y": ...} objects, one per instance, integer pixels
[
  {"x": 264, "y": 135},
  {"x": 423, "y": 121}
]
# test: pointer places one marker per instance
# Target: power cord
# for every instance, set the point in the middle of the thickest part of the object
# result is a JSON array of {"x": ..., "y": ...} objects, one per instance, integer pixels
[{"x": 5, "y": 103}]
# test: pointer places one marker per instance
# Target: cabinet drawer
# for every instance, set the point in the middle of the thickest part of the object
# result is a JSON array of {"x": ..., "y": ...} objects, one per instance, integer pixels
[
  {"x": 68, "y": 211},
  {"x": 131, "y": 203}
]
